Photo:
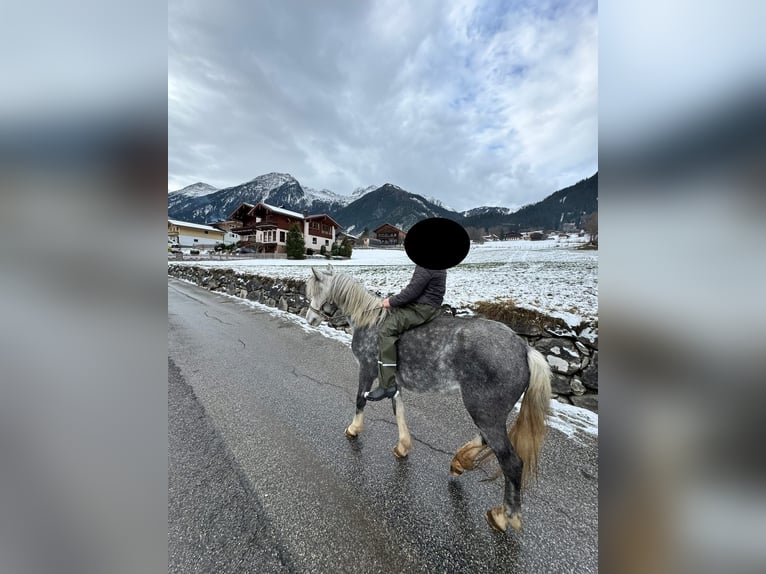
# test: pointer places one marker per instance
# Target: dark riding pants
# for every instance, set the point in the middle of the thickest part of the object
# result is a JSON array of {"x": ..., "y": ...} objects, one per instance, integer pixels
[{"x": 399, "y": 320}]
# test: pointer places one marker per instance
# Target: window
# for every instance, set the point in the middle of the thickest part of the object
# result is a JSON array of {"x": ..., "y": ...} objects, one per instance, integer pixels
[
  {"x": 282, "y": 236},
  {"x": 195, "y": 240},
  {"x": 327, "y": 242},
  {"x": 314, "y": 240}
]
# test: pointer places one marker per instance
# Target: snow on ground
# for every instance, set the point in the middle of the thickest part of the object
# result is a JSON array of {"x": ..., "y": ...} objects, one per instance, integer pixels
[
  {"x": 549, "y": 276},
  {"x": 568, "y": 419}
]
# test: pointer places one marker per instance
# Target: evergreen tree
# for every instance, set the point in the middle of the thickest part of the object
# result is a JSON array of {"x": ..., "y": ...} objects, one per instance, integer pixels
[
  {"x": 345, "y": 248},
  {"x": 296, "y": 246}
]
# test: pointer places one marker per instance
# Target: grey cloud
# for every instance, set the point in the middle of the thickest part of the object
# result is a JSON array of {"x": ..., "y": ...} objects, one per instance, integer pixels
[{"x": 353, "y": 94}]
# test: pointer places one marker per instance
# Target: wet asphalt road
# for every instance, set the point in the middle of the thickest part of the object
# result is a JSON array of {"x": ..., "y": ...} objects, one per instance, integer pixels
[{"x": 262, "y": 479}]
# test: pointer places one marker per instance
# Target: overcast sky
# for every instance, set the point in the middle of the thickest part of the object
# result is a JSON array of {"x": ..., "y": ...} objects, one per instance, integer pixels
[{"x": 472, "y": 102}]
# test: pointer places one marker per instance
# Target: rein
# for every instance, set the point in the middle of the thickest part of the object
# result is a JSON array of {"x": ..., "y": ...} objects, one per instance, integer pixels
[
  {"x": 323, "y": 314},
  {"x": 344, "y": 316}
]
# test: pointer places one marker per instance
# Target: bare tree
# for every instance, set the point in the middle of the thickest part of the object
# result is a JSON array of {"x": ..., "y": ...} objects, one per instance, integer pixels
[
  {"x": 475, "y": 234},
  {"x": 497, "y": 230},
  {"x": 591, "y": 227}
]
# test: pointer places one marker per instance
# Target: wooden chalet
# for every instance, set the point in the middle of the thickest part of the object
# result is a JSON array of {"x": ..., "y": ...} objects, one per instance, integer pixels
[
  {"x": 266, "y": 226},
  {"x": 245, "y": 224},
  {"x": 320, "y": 230},
  {"x": 387, "y": 234}
]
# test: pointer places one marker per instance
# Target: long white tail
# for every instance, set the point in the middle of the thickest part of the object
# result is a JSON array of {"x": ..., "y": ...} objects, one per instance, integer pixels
[{"x": 529, "y": 429}]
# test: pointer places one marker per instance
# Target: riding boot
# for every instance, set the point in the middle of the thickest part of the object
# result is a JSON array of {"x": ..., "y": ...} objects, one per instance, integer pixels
[
  {"x": 386, "y": 383},
  {"x": 386, "y": 369}
]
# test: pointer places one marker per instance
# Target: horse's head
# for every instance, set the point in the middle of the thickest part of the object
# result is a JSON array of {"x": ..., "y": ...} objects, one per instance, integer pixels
[{"x": 318, "y": 292}]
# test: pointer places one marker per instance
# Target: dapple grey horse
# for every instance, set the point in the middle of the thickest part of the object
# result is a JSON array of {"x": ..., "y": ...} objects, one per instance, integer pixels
[{"x": 485, "y": 360}]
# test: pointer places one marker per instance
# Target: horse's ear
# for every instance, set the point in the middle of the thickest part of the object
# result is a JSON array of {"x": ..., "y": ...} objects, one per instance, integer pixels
[{"x": 317, "y": 273}]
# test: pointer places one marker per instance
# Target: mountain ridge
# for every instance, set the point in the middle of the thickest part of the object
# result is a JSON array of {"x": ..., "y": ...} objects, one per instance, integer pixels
[{"x": 371, "y": 206}]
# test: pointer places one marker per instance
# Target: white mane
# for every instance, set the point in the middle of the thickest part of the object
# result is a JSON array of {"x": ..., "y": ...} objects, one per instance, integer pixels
[{"x": 355, "y": 300}]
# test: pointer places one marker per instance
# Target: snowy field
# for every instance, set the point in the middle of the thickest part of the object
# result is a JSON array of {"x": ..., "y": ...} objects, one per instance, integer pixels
[{"x": 550, "y": 276}]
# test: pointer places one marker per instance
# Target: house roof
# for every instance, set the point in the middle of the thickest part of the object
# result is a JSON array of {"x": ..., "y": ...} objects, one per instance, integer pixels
[
  {"x": 281, "y": 210},
  {"x": 249, "y": 206},
  {"x": 324, "y": 215},
  {"x": 388, "y": 225},
  {"x": 194, "y": 225}
]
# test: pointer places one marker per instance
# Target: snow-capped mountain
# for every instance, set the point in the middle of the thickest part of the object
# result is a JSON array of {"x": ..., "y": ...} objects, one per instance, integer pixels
[
  {"x": 360, "y": 191},
  {"x": 389, "y": 204},
  {"x": 189, "y": 195},
  {"x": 438, "y": 202},
  {"x": 325, "y": 196},
  {"x": 195, "y": 190},
  {"x": 372, "y": 206},
  {"x": 487, "y": 210},
  {"x": 278, "y": 189}
]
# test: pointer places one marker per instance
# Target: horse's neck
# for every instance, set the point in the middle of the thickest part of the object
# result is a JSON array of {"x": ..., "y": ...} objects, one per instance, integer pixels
[{"x": 355, "y": 301}]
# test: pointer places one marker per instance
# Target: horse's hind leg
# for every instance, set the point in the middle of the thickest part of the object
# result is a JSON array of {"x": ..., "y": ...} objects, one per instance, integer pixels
[
  {"x": 465, "y": 456},
  {"x": 508, "y": 513}
]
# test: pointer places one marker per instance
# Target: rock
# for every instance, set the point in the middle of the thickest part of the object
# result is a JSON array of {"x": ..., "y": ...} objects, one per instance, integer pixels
[
  {"x": 561, "y": 332},
  {"x": 589, "y": 337},
  {"x": 590, "y": 374},
  {"x": 561, "y": 355},
  {"x": 560, "y": 385},
  {"x": 282, "y": 305},
  {"x": 577, "y": 387}
]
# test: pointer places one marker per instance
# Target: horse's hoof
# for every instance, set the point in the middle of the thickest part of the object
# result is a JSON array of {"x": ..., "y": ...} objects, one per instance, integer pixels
[
  {"x": 350, "y": 434},
  {"x": 515, "y": 522},
  {"x": 490, "y": 518},
  {"x": 398, "y": 453},
  {"x": 455, "y": 468}
]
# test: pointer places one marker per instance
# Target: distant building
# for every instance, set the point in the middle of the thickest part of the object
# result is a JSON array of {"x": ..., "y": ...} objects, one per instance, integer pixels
[
  {"x": 185, "y": 234},
  {"x": 342, "y": 235},
  {"x": 266, "y": 226},
  {"x": 387, "y": 234},
  {"x": 319, "y": 230},
  {"x": 568, "y": 227}
]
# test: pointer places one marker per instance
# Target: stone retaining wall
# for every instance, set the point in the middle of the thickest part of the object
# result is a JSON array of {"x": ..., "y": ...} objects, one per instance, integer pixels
[{"x": 571, "y": 352}]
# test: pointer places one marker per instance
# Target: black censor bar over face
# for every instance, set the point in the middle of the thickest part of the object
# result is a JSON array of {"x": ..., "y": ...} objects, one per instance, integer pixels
[{"x": 437, "y": 243}]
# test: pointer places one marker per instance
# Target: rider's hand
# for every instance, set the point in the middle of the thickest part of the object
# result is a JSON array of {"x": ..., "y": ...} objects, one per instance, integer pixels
[{"x": 386, "y": 304}]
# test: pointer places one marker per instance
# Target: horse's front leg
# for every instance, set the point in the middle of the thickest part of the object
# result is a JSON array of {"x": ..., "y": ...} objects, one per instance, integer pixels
[
  {"x": 357, "y": 425},
  {"x": 404, "y": 445}
]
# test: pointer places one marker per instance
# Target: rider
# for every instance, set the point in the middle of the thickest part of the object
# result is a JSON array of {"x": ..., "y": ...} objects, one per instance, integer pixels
[{"x": 415, "y": 305}]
